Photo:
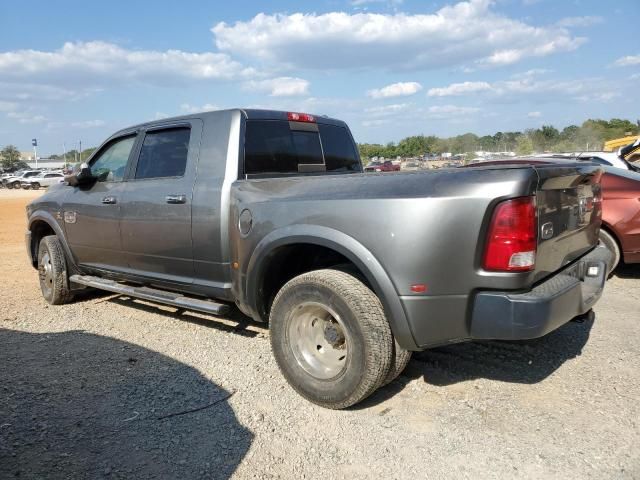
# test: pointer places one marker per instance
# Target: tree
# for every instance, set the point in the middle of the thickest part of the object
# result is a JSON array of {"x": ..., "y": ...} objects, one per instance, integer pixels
[
  {"x": 10, "y": 158},
  {"x": 524, "y": 145}
]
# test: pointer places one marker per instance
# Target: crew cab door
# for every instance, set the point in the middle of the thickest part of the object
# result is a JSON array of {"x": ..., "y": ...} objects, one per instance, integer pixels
[
  {"x": 92, "y": 212},
  {"x": 156, "y": 207}
]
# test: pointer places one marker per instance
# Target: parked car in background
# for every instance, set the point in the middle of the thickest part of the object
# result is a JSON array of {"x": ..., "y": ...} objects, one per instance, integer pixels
[
  {"x": 16, "y": 180},
  {"x": 411, "y": 166},
  {"x": 386, "y": 166},
  {"x": 620, "y": 230},
  {"x": 608, "y": 159},
  {"x": 45, "y": 179}
]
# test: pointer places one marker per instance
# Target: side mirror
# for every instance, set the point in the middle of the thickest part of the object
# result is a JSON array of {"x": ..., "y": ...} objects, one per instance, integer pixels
[{"x": 80, "y": 177}]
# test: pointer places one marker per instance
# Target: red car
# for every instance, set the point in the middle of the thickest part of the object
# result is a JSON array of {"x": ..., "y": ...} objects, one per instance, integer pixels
[
  {"x": 385, "y": 166},
  {"x": 620, "y": 230}
]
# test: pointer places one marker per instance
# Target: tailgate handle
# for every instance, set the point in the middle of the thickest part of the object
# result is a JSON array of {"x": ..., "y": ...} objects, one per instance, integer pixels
[
  {"x": 176, "y": 199},
  {"x": 109, "y": 200}
]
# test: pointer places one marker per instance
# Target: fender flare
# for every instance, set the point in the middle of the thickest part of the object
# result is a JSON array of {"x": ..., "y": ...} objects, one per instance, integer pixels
[
  {"x": 347, "y": 246},
  {"x": 46, "y": 217}
]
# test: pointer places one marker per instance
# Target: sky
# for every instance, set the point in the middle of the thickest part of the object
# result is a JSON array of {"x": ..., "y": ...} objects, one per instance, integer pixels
[{"x": 78, "y": 71}]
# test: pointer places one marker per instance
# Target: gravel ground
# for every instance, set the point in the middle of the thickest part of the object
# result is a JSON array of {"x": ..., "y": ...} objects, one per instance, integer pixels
[{"x": 109, "y": 387}]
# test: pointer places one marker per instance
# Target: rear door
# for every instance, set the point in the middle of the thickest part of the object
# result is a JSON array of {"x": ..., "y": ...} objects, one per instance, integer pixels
[
  {"x": 156, "y": 208},
  {"x": 92, "y": 212}
]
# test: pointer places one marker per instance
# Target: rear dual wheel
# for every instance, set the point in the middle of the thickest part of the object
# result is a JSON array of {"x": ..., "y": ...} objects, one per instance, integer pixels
[
  {"x": 331, "y": 339},
  {"x": 612, "y": 245}
]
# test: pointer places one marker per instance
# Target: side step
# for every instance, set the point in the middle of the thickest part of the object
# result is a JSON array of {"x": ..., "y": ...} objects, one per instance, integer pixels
[{"x": 152, "y": 294}]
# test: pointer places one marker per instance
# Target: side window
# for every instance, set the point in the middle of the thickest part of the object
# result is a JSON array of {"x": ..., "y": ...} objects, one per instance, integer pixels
[
  {"x": 110, "y": 165},
  {"x": 164, "y": 153}
]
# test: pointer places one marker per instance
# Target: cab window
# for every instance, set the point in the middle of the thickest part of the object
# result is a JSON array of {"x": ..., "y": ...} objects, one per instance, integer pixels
[
  {"x": 111, "y": 163},
  {"x": 164, "y": 153}
]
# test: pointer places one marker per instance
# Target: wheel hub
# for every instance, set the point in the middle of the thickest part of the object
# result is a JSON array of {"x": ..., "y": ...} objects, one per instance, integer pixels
[
  {"x": 318, "y": 340},
  {"x": 45, "y": 269}
]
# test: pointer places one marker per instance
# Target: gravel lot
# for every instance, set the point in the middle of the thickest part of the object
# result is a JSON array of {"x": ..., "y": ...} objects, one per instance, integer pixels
[{"x": 115, "y": 388}]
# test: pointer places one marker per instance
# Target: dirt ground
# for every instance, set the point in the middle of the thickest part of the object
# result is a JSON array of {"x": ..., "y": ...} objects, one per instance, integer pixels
[{"x": 116, "y": 388}]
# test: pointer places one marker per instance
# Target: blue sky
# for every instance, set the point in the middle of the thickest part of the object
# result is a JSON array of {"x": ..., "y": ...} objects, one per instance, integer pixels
[{"x": 78, "y": 70}]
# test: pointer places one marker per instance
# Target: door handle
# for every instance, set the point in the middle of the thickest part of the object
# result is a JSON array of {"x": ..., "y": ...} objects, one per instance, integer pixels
[
  {"x": 176, "y": 199},
  {"x": 109, "y": 200}
]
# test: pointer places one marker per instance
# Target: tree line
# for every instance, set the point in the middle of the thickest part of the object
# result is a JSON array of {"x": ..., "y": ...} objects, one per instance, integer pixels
[{"x": 591, "y": 135}]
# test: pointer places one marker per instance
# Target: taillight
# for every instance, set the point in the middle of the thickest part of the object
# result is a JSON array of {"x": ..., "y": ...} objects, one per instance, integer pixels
[
  {"x": 512, "y": 240},
  {"x": 301, "y": 117}
]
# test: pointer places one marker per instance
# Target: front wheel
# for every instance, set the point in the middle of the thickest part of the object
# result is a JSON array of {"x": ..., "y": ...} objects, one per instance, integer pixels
[
  {"x": 35, "y": 185},
  {"x": 330, "y": 338},
  {"x": 52, "y": 271}
]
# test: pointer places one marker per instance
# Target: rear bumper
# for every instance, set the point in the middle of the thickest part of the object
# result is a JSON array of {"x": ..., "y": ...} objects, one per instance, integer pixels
[{"x": 552, "y": 303}]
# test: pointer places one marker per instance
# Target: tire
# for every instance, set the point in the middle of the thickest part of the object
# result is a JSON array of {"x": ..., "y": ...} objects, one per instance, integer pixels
[
  {"x": 35, "y": 185},
  {"x": 330, "y": 338},
  {"x": 9, "y": 186},
  {"x": 52, "y": 271},
  {"x": 399, "y": 362},
  {"x": 612, "y": 245}
]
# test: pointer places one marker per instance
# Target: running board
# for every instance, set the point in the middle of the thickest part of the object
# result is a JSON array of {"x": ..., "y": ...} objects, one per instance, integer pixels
[{"x": 152, "y": 294}]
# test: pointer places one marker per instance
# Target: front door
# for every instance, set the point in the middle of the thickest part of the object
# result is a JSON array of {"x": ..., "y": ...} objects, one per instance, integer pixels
[
  {"x": 92, "y": 212},
  {"x": 156, "y": 208}
]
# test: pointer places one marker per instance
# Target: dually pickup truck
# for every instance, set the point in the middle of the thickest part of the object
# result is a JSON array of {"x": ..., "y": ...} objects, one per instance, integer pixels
[{"x": 271, "y": 211}]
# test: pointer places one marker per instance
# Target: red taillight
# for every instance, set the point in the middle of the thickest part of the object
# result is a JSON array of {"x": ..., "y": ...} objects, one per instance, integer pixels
[
  {"x": 301, "y": 117},
  {"x": 512, "y": 240}
]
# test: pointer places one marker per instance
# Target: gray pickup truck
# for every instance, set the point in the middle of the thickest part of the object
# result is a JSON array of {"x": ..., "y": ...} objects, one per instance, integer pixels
[{"x": 271, "y": 211}]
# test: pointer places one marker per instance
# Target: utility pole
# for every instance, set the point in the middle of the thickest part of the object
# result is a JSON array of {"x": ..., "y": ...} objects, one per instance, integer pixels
[
  {"x": 64, "y": 154},
  {"x": 80, "y": 141}
]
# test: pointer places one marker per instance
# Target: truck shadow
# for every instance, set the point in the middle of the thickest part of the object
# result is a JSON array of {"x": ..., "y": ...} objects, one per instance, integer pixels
[
  {"x": 78, "y": 405},
  {"x": 525, "y": 362},
  {"x": 627, "y": 271}
]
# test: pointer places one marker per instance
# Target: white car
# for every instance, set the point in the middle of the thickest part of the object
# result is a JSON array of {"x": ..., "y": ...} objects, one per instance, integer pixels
[
  {"x": 611, "y": 159},
  {"x": 15, "y": 180},
  {"x": 45, "y": 179}
]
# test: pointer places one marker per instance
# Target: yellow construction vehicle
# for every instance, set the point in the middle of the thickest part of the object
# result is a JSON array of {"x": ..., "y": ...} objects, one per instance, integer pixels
[{"x": 616, "y": 143}]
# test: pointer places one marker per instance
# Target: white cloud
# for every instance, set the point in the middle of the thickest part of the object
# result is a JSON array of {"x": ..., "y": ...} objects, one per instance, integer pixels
[
  {"x": 524, "y": 86},
  {"x": 279, "y": 87},
  {"x": 387, "y": 109},
  {"x": 635, "y": 76},
  {"x": 454, "y": 89},
  {"x": 357, "y": 3},
  {"x": 26, "y": 117},
  {"x": 627, "y": 61},
  {"x": 455, "y": 35},
  {"x": 534, "y": 114},
  {"x": 585, "y": 21},
  {"x": 401, "y": 89},
  {"x": 99, "y": 63},
  {"x": 187, "y": 108},
  {"x": 534, "y": 72},
  {"x": 451, "y": 110},
  {"x": 7, "y": 106},
  {"x": 374, "y": 123},
  {"x": 89, "y": 124}
]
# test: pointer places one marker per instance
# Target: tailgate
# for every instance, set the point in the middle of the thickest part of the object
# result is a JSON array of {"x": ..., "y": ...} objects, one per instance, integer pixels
[{"x": 569, "y": 214}]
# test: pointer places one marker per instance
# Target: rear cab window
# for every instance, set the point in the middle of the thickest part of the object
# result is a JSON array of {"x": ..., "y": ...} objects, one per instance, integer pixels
[
  {"x": 283, "y": 148},
  {"x": 163, "y": 153}
]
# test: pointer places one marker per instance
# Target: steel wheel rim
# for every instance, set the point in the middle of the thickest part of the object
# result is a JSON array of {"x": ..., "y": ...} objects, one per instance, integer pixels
[
  {"x": 319, "y": 341},
  {"x": 46, "y": 274}
]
